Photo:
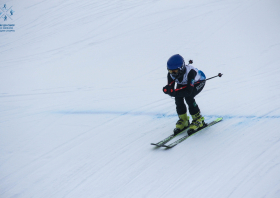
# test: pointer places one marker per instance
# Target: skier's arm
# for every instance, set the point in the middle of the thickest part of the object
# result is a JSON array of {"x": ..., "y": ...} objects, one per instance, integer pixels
[{"x": 190, "y": 84}]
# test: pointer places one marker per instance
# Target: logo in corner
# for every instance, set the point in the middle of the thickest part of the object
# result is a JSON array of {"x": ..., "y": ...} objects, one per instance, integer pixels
[{"x": 6, "y": 12}]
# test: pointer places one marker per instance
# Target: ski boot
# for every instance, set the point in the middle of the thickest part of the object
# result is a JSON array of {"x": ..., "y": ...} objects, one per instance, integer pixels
[
  {"x": 197, "y": 123},
  {"x": 182, "y": 124}
]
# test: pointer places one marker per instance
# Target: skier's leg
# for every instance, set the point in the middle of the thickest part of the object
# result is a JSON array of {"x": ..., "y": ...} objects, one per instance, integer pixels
[
  {"x": 198, "y": 120},
  {"x": 180, "y": 105},
  {"x": 181, "y": 109},
  {"x": 193, "y": 107}
]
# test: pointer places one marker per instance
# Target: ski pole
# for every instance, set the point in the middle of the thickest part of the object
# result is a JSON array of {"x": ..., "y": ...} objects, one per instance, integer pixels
[{"x": 219, "y": 74}]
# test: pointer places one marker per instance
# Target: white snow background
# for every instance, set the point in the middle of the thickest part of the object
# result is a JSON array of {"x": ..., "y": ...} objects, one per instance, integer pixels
[{"x": 81, "y": 99}]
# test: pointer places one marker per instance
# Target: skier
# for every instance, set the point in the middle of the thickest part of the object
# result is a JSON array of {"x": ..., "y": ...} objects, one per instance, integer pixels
[{"x": 190, "y": 81}]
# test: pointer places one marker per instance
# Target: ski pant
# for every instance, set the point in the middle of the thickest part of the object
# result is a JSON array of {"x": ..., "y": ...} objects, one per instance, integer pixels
[{"x": 193, "y": 107}]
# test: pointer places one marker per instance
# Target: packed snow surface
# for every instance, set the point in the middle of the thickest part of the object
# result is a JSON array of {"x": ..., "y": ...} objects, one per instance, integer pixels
[{"x": 81, "y": 99}]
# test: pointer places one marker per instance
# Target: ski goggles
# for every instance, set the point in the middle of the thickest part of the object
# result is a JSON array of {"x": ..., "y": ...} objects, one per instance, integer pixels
[{"x": 174, "y": 71}]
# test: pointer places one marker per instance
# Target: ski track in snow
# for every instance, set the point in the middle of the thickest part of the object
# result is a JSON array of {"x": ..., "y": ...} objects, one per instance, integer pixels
[{"x": 81, "y": 99}]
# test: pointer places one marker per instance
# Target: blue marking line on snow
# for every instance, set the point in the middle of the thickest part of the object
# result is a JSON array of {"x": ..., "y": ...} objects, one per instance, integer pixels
[
  {"x": 237, "y": 116},
  {"x": 121, "y": 113},
  {"x": 158, "y": 115}
]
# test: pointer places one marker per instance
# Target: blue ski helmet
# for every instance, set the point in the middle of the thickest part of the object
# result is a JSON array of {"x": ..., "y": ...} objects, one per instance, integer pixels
[{"x": 176, "y": 62}]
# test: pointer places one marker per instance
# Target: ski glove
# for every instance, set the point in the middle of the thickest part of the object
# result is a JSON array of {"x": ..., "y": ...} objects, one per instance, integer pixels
[{"x": 168, "y": 90}]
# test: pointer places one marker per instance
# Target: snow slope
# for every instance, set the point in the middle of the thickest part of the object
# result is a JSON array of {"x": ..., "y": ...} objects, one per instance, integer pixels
[{"x": 81, "y": 99}]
